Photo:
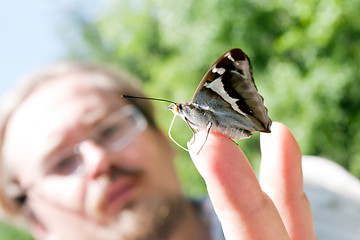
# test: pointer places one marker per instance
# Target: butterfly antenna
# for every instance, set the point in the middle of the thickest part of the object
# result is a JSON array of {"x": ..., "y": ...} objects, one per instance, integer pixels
[
  {"x": 147, "y": 98},
  {"x": 162, "y": 100},
  {"x": 169, "y": 132}
]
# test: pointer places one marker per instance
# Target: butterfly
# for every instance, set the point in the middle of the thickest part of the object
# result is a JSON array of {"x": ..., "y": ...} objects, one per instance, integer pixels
[{"x": 227, "y": 100}]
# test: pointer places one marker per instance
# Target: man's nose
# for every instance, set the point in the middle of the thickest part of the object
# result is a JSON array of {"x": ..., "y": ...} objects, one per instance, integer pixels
[{"x": 95, "y": 158}]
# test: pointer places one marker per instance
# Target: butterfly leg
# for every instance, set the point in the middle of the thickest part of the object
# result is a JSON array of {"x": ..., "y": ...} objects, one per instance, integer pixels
[
  {"x": 192, "y": 129},
  {"x": 207, "y": 134}
]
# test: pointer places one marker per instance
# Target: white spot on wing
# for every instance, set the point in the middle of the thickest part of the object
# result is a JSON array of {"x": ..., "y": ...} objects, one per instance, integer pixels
[
  {"x": 218, "y": 70},
  {"x": 228, "y": 55},
  {"x": 218, "y": 87}
]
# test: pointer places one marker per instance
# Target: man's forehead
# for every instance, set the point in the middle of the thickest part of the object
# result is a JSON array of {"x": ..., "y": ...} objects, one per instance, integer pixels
[
  {"x": 61, "y": 98},
  {"x": 52, "y": 108}
]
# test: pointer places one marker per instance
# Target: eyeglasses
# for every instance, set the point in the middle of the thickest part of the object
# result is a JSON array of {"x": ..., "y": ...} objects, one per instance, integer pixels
[{"x": 113, "y": 134}]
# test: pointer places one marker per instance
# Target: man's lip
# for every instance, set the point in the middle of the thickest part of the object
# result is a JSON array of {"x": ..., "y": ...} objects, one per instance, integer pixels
[{"x": 118, "y": 192}]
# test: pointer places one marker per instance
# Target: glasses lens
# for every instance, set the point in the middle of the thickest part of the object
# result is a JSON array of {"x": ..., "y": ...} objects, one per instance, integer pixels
[
  {"x": 114, "y": 133},
  {"x": 64, "y": 163},
  {"x": 121, "y": 128}
]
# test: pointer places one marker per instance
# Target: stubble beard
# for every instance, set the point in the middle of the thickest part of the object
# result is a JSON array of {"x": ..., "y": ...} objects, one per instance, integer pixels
[
  {"x": 153, "y": 217},
  {"x": 150, "y": 219}
]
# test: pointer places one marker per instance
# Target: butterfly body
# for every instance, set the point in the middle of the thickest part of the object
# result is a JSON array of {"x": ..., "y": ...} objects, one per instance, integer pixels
[
  {"x": 227, "y": 100},
  {"x": 201, "y": 119}
]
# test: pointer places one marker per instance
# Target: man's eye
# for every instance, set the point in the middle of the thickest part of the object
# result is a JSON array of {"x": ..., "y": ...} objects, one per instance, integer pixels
[
  {"x": 114, "y": 131},
  {"x": 67, "y": 165},
  {"x": 110, "y": 131}
]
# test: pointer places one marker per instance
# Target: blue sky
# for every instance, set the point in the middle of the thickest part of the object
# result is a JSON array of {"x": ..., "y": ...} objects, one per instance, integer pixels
[{"x": 29, "y": 34}]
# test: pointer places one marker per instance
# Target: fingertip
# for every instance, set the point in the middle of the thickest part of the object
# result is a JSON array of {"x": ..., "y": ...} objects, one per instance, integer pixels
[
  {"x": 205, "y": 145},
  {"x": 208, "y": 141},
  {"x": 194, "y": 147},
  {"x": 277, "y": 128},
  {"x": 279, "y": 138},
  {"x": 196, "y": 143},
  {"x": 280, "y": 168},
  {"x": 221, "y": 163},
  {"x": 208, "y": 150}
]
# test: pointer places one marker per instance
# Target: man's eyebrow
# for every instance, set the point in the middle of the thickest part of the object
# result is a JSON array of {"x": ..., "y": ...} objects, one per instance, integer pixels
[{"x": 95, "y": 116}]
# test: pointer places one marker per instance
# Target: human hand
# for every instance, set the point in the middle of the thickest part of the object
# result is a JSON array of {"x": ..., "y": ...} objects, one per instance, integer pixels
[{"x": 274, "y": 208}]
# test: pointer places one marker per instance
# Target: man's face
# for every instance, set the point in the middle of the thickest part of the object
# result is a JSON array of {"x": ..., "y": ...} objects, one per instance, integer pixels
[{"x": 106, "y": 193}]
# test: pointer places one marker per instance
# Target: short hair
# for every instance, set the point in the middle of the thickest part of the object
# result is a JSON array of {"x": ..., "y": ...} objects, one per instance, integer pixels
[{"x": 106, "y": 78}]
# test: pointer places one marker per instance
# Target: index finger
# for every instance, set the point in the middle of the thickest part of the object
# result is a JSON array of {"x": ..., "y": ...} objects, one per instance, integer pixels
[{"x": 244, "y": 211}]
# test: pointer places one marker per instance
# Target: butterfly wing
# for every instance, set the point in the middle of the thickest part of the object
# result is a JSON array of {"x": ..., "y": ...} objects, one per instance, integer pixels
[{"x": 229, "y": 91}]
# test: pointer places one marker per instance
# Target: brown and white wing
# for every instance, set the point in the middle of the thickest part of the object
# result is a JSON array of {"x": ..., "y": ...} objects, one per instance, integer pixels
[{"x": 230, "y": 80}]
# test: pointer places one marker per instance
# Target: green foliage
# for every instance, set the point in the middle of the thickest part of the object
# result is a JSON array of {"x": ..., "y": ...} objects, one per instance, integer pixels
[
  {"x": 305, "y": 57},
  {"x": 8, "y": 232}
]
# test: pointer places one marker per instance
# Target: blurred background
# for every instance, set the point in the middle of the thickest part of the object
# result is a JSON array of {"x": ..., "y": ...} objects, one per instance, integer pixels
[{"x": 305, "y": 57}]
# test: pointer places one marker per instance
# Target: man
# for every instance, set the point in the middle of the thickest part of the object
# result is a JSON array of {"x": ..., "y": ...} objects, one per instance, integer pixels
[{"x": 79, "y": 162}]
